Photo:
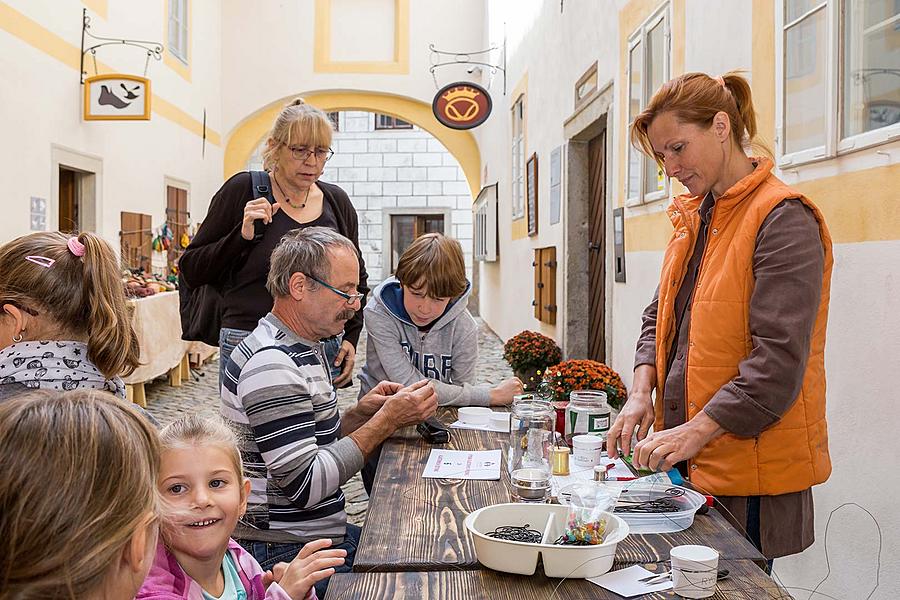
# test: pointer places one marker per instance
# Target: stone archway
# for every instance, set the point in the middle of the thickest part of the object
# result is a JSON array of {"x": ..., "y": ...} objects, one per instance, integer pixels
[{"x": 244, "y": 139}]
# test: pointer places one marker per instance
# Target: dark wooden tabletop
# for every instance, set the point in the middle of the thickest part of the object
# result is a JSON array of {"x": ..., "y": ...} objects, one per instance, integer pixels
[
  {"x": 416, "y": 524},
  {"x": 746, "y": 581}
]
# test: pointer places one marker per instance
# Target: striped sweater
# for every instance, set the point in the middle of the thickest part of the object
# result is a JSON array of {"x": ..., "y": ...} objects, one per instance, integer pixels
[{"x": 278, "y": 395}]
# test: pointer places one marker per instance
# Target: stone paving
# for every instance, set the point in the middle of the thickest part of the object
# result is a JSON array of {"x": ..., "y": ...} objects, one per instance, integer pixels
[{"x": 199, "y": 395}]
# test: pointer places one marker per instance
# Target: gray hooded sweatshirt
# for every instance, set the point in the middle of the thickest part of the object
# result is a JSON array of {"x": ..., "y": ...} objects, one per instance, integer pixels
[{"x": 396, "y": 350}]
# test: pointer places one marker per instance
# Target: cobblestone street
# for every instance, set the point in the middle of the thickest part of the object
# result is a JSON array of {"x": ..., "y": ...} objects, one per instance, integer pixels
[{"x": 199, "y": 395}]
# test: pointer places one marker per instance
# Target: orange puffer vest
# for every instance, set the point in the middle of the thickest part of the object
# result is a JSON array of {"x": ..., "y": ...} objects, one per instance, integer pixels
[{"x": 792, "y": 454}]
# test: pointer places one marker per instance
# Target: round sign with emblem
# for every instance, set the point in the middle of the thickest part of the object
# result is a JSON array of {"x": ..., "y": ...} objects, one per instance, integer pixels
[{"x": 462, "y": 105}]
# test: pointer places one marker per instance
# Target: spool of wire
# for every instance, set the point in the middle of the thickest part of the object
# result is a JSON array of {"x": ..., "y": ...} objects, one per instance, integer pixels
[{"x": 512, "y": 533}]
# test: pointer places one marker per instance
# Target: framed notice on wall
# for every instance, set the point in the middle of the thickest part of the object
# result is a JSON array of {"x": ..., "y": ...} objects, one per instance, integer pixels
[
  {"x": 531, "y": 193},
  {"x": 116, "y": 97}
]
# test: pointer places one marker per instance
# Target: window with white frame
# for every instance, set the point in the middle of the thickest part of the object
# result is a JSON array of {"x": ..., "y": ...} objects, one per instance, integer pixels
[
  {"x": 485, "y": 209},
  {"x": 518, "y": 158},
  {"x": 838, "y": 77},
  {"x": 648, "y": 69},
  {"x": 178, "y": 29}
]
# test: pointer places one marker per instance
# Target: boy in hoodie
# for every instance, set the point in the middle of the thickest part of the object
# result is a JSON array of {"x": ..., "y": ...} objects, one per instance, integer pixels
[{"x": 418, "y": 326}]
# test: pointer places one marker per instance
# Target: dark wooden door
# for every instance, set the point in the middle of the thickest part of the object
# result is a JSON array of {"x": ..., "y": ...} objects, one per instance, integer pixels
[
  {"x": 597, "y": 249},
  {"x": 136, "y": 236},
  {"x": 68, "y": 201}
]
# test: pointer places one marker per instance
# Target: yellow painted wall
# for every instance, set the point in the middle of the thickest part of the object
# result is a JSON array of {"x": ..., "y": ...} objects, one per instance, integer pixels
[
  {"x": 322, "y": 62},
  {"x": 244, "y": 139}
]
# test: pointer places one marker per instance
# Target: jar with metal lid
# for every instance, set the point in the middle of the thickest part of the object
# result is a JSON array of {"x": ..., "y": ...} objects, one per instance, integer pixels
[
  {"x": 530, "y": 433},
  {"x": 587, "y": 412}
]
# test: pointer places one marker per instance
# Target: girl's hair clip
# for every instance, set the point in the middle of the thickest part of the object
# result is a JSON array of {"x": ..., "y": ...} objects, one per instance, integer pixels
[{"x": 42, "y": 261}]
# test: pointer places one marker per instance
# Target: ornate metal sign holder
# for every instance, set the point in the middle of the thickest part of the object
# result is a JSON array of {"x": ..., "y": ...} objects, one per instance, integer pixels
[
  {"x": 440, "y": 58},
  {"x": 153, "y": 49}
]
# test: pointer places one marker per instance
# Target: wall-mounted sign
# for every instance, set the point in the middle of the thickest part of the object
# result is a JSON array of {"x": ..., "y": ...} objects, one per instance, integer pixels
[
  {"x": 114, "y": 97},
  {"x": 462, "y": 105}
]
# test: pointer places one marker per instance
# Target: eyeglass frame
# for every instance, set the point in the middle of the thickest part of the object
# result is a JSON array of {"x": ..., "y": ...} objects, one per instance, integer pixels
[
  {"x": 309, "y": 152},
  {"x": 350, "y": 298}
]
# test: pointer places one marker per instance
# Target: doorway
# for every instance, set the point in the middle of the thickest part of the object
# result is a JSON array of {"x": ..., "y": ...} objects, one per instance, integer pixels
[
  {"x": 597, "y": 248},
  {"x": 69, "y": 207}
]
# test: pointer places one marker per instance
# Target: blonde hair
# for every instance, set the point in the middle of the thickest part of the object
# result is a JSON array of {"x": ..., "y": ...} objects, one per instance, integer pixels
[
  {"x": 194, "y": 430},
  {"x": 696, "y": 98},
  {"x": 77, "y": 473},
  {"x": 437, "y": 261},
  {"x": 81, "y": 296},
  {"x": 298, "y": 124}
]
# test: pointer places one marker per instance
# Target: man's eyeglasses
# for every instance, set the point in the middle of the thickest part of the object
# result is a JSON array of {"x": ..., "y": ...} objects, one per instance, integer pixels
[
  {"x": 302, "y": 153},
  {"x": 350, "y": 298}
]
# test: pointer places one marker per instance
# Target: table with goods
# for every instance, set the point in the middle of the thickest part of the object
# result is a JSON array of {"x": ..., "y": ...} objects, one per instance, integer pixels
[{"x": 505, "y": 510}]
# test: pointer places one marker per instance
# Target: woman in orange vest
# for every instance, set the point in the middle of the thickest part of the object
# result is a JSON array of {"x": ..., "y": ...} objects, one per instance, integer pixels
[{"x": 733, "y": 340}]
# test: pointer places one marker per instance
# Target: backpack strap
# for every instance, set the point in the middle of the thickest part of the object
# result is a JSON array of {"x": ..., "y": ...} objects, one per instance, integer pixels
[{"x": 259, "y": 180}]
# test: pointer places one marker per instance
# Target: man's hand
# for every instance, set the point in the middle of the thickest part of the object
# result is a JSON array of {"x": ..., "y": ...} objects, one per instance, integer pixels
[
  {"x": 502, "y": 394},
  {"x": 346, "y": 356},
  {"x": 377, "y": 396},
  {"x": 661, "y": 450},
  {"x": 411, "y": 405}
]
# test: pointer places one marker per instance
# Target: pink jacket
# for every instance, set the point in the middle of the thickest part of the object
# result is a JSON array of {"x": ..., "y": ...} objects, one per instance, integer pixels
[{"x": 168, "y": 581}]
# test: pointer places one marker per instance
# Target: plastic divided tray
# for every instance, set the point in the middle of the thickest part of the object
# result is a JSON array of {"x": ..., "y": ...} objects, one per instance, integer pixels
[
  {"x": 522, "y": 558},
  {"x": 687, "y": 501}
]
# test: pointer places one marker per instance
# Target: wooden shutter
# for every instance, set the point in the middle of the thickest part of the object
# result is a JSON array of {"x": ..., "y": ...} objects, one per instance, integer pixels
[{"x": 545, "y": 284}]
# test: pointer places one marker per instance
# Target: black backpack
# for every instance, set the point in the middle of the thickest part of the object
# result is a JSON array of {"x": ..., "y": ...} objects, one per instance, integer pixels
[{"x": 201, "y": 307}]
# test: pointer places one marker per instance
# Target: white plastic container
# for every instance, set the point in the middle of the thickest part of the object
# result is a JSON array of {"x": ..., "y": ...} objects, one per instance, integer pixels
[
  {"x": 587, "y": 450},
  {"x": 694, "y": 570},
  {"x": 559, "y": 561},
  {"x": 688, "y": 503},
  {"x": 475, "y": 415}
]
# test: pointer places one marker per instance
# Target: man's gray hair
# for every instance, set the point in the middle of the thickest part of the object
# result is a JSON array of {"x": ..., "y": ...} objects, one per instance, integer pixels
[{"x": 303, "y": 251}]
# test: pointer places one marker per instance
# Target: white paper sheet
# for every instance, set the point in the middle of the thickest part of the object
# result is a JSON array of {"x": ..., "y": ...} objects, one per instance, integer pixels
[
  {"x": 463, "y": 464},
  {"x": 625, "y": 582}
]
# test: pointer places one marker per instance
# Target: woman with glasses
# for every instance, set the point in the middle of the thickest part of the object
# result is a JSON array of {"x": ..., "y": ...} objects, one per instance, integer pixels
[{"x": 227, "y": 253}]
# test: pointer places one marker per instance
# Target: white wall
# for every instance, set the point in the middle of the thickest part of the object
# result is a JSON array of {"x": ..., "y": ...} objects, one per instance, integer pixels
[
  {"x": 553, "y": 49},
  {"x": 43, "y": 109}
]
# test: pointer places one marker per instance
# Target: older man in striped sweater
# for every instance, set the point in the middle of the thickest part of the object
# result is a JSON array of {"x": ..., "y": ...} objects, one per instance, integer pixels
[{"x": 298, "y": 449}]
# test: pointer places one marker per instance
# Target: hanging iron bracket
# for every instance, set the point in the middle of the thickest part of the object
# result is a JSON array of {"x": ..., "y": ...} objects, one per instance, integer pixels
[
  {"x": 439, "y": 58},
  {"x": 153, "y": 49}
]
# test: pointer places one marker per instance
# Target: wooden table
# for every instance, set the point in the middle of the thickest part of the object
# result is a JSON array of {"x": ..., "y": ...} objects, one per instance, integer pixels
[
  {"x": 416, "y": 524},
  {"x": 745, "y": 582}
]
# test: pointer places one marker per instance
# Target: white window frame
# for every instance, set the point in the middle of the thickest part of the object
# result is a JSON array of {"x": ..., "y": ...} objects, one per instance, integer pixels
[
  {"x": 517, "y": 181},
  {"x": 179, "y": 13},
  {"x": 640, "y": 36},
  {"x": 835, "y": 145},
  {"x": 485, "y": 232}
]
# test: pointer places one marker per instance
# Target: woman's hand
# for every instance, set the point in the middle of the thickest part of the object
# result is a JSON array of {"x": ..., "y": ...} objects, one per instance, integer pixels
[
  {"x": 347, "y": 356},
  {"x": 260, "y": 208},
  {"x": 662, "y": 450},
  {"x": 313, "y": 564},
  {"x": 502, "y": 394},
  {"x": 637, "y": 413}
]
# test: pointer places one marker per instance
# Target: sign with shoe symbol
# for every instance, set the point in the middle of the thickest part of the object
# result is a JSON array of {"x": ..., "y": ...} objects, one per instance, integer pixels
[{"x": 114, "y": 97}]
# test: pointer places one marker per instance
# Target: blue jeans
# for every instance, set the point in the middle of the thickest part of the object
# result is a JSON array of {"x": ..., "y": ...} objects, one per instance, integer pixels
[
  {"x": 269, "y": 553},
  {"x": 229, "y": 338}
]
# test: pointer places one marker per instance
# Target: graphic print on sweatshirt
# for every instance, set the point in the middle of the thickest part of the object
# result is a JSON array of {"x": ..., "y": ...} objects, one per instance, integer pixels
[{"x": 429, "y": 365}]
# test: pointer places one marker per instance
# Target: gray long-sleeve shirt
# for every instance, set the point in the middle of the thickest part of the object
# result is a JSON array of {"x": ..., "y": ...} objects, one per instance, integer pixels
[{"x": 788, "y": 265}]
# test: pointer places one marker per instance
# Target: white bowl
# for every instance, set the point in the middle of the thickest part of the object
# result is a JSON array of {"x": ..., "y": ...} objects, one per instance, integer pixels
[
  {"x": 475, "y": 415},
  {"x": 521, "y": 558}
]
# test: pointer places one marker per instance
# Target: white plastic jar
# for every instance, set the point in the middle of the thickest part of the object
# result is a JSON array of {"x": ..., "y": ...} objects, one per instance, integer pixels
[{"x": 587, "y": 450}]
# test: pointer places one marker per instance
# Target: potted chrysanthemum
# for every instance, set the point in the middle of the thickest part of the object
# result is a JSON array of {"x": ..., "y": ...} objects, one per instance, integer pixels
[{"x": 529, "y": 353}]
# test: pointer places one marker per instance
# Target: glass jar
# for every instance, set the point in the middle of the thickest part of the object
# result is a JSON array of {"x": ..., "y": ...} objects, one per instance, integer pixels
[
  {"x": 587, "y": 412},
  {"x": 530, "y": 433}
]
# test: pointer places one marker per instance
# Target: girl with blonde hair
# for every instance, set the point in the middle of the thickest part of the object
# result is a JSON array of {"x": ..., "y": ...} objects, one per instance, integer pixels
[
  {"x": 78, "y": 508},
  {"x": 204, "y": 493},
  {"x": 64, "y": 321}
]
